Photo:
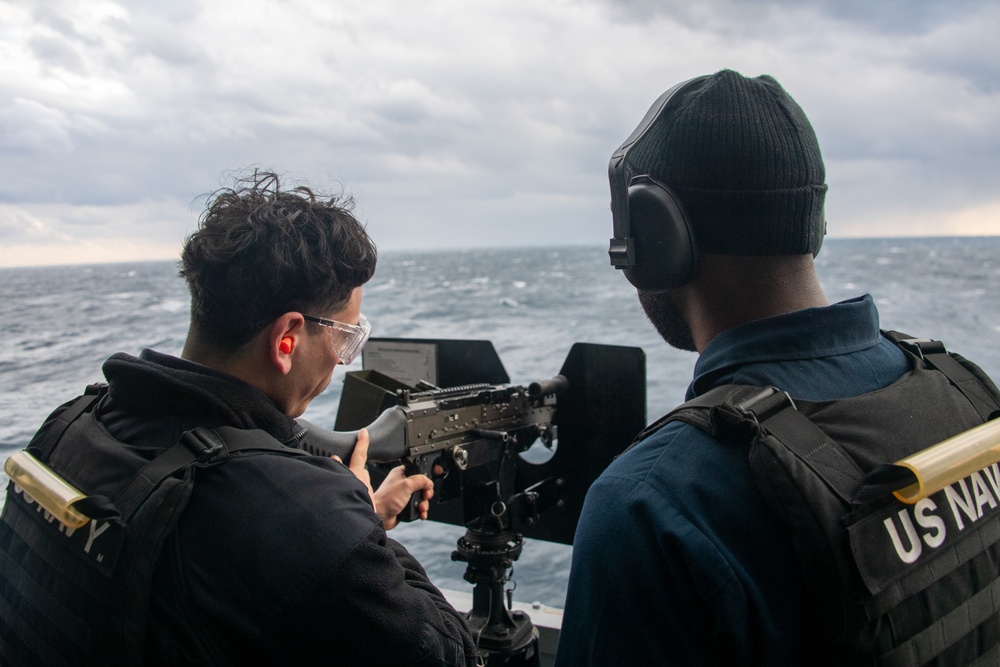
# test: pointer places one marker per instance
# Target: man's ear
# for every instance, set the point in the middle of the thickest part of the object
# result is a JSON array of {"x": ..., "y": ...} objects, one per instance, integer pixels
[{"x": 283, "y": 337}]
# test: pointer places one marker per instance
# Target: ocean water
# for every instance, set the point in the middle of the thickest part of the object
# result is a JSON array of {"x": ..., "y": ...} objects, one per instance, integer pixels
[{"x": 58, "y": 324}]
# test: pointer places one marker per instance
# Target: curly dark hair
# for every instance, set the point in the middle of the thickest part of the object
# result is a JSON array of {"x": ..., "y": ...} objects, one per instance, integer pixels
[{"x": 260, "y": 251}]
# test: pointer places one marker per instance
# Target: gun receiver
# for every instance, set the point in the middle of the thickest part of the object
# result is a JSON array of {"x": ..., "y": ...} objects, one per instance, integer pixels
[{"x": 440, "y": 426}]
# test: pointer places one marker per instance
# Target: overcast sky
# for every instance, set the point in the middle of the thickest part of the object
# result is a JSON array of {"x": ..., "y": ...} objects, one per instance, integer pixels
[{"x": 465, "y": 123}]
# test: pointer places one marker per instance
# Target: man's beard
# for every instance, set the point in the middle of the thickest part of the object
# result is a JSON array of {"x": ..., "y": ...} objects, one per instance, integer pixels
[{"x": 667, "y": 320}]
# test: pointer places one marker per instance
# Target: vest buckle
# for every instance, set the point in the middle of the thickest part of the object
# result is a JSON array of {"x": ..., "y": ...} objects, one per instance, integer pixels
[
  {"x": 922, "y": 346},
  {"x": 206, "y": 445},
  {"x": 763, "y": 404}
]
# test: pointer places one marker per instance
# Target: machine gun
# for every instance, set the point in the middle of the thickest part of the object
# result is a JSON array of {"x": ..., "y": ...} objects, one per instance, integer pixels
[
  {"x": 508, "y": 461},
  {"x": 444, "y": 432}
]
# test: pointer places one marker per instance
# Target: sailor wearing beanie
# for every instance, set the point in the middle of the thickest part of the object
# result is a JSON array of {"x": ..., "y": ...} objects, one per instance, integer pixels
[
  {"x": 680, "y": 558},
  {"x": 744, "y": 161}
]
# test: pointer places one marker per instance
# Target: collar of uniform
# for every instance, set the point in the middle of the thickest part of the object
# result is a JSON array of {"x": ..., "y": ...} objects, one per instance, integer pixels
[
  {"x": 156, "y": 383},
  {"x": 841, "y": 328}
]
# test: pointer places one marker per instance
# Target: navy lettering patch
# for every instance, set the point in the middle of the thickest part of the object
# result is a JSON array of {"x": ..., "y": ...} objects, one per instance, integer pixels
[
  {"x": 98, "y": 543},
  {"x": 888, "y": 543}
]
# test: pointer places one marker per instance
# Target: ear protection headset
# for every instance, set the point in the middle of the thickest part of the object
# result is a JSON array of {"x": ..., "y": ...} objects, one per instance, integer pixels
[{"x": 653, "y": 242}]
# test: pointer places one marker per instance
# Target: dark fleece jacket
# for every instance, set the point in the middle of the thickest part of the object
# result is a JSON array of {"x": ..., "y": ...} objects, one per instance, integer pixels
[{"x": 276, "y": 559}]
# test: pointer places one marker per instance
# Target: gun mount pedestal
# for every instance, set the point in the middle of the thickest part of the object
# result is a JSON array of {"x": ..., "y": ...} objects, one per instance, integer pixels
[
  {"x": 505, "y": 638},
  {"x": 473, "y": 434}
]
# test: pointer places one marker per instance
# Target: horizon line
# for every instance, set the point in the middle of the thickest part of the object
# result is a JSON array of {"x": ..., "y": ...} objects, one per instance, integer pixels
[{"x": 429, "y": 250}]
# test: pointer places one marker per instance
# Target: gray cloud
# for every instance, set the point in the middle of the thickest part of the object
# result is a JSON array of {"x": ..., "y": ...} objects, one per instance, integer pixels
[
  {"x": 460, "y": 125},
  {"x": 55, "y": 51},
  {"x": 884, "y": 18},
  {"x": 28, "y": 128}
]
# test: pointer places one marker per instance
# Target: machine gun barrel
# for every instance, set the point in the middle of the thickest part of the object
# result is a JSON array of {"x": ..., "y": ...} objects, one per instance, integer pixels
[{"x": 557, "y": 384}]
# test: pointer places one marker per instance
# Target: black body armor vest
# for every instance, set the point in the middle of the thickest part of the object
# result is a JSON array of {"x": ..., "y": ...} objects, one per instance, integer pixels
[
  {"x": 81, "y": 597},
  {"x": 890, "y": 584}
]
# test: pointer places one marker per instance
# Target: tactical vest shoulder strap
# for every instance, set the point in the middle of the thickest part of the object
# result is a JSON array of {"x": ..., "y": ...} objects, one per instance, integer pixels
[
  {"x": 966, "y": 376},
  {"x": 696, "y": 411},
  {"x": 199, "y": 446},
  {"x": 202, "y": 447},
  {"x": 773, "y": 410},
  {"x": 42, "y": 447}
]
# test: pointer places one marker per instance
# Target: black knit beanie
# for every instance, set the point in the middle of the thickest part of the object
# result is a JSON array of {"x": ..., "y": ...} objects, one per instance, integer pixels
[{"x": 743, "y": 159}]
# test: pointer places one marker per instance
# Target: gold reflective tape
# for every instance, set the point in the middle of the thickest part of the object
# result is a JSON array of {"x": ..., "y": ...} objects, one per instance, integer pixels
[
  {"x": 46, "y": 488},
  {"x": 950, "y": 460}
]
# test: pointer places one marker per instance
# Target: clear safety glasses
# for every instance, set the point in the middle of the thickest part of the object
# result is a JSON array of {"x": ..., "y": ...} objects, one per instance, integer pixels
[{"x": 348, "y": 339}]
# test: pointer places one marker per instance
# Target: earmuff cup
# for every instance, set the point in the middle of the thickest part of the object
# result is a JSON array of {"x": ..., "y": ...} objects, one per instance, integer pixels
[
  {"x": 665, "y": 251},
  {"x": 653, "y": 242}
]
